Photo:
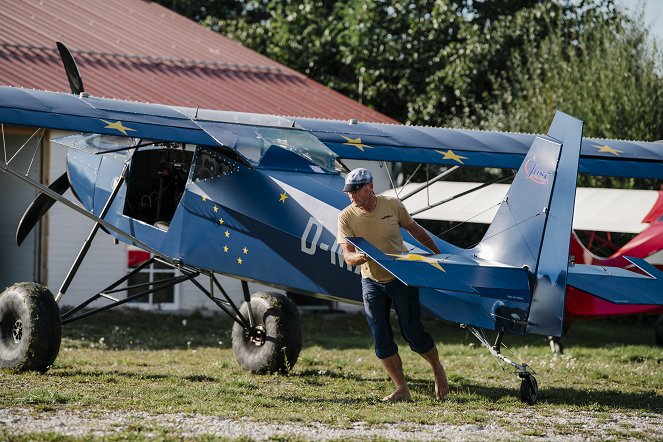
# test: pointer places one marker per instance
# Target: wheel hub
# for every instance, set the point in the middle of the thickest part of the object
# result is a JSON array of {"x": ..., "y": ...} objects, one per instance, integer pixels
[
  {"x": 256, "y": 335},
  {"x": 17, "y": 331}
]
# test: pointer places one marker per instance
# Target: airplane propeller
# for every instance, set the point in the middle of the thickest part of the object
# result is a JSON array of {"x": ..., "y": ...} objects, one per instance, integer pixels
[
  {"x": 70, "y": 67},
  {"x": 43, "y": 202},
  {"x": 39, "y": 207}
]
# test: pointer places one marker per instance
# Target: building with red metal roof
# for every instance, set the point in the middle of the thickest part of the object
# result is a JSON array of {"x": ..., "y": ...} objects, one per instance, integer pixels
[{"x": 140, "y": 50}]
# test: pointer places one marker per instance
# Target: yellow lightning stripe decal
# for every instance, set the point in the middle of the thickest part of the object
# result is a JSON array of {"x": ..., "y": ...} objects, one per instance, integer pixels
[
  {"x": 117, "y": 126},
  {"x": 608, "y": 149},
  {"x": 451, "y": 155},
  {"x": 356, "y": 142},
  {"x": 419, "y": 258}
]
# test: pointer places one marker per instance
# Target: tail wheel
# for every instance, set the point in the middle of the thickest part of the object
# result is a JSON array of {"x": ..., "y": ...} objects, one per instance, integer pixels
[
  {"x": 276, "y": 339},
  {"x": 30, "y": 328},
  {"x": 529, "y": 389}
]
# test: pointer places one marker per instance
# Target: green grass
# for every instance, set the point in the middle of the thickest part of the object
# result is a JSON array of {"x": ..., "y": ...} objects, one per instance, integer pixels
[{"x": 153, "y": 363}]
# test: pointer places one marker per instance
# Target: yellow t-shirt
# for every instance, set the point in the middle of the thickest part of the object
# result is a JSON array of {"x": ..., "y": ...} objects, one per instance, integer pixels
[{"x": 381, "y": 227}]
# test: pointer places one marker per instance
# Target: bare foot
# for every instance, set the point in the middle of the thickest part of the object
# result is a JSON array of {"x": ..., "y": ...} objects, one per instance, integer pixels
[
  {"x": 401, "y": 394},
  {"x": 441, "y": 384}
]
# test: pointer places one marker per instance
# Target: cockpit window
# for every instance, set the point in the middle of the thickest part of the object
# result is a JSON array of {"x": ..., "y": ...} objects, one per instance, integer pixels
[{"x": 210, "y": 164}]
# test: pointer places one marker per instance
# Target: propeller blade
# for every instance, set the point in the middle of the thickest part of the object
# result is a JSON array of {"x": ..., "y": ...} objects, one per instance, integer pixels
[
  {"x": 39, "y": 207},
  {"x": 73, "y": 75}
]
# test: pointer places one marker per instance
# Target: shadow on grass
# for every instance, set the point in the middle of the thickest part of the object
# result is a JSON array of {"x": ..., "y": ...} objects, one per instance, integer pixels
[
  {"x": 147, "y": 330},
  {"x": 64, "y": 373},
  {"x": 608, "y": 399}
]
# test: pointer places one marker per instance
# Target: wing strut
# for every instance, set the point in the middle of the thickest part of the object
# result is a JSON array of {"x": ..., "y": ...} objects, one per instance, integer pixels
[
  {"x": 425, "y": 185},
  {"x": 88, "y": 241},
  {"x": 451, "y": 198}
]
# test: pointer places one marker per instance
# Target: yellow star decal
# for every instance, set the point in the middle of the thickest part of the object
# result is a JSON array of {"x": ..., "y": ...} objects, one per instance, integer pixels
[
  {"x": 216, "y": 209},
  {"x": 451, "y": 155},
  {"x": 227, "y": 234},
  {"x": 221, "y": 221},
  {"x": 225, "y": 249},
  {"x": 117, "y": 126},
  {"x": 415, "y": 257},
  {"x": 239, "y": 260},
  {"x": 356, "y": 142},
  {"x": 283, "y": 197},
  {"x": 245, "y": 250},
  {"x": 608, "y": 149},
  {"x": 204, "y": 198}
]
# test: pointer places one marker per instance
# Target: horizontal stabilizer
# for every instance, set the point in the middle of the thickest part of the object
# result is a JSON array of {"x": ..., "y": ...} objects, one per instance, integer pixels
[
  {"x": 451, "y": 273},
  {"x": 618, "y": 285}
]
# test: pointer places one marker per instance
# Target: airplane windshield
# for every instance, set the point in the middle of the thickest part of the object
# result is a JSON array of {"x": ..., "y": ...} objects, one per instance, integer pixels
[
  {"x": 252, "y": 142},
  {"x": 299, "y": 142}
]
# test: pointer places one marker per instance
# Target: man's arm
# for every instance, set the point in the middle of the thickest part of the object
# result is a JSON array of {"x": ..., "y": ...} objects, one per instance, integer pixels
[
  {"x": 352, "y": 256},
  {"x": 422, "y": 236}
]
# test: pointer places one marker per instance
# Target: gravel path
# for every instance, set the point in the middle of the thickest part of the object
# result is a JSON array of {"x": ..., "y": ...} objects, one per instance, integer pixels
[{"x": 564, "y": 425}]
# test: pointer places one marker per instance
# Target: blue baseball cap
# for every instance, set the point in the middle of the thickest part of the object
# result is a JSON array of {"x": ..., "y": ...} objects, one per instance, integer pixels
[{"x": 356, "y": 179}]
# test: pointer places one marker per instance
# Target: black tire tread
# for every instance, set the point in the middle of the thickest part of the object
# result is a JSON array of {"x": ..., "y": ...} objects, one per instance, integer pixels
[
  {"x": 279, "y": 315},
  {"x": 42, "y": 329}
]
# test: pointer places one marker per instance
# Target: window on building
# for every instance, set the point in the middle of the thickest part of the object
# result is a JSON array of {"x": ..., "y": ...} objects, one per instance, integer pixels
[{"x": 164, "y": 299}]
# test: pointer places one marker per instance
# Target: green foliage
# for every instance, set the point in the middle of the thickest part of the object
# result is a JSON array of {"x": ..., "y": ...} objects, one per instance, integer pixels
[
  {"x": 505, "y": 65},
  {"x": 594, "y": 64},
  {"x": 377, "y": 52},
  {"x": 479, "y": 64}
]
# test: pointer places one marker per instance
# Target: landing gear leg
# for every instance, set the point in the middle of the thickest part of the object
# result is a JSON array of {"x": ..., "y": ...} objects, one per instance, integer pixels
[{"x": 529, "y": 388}]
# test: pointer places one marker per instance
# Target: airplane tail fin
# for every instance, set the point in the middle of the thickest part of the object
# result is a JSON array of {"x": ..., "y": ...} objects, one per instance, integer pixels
[{"x": 533, "y": 224}]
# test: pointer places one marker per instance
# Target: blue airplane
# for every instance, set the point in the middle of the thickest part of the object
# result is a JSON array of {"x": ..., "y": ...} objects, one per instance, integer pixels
[{"x": 256, "y": 197}]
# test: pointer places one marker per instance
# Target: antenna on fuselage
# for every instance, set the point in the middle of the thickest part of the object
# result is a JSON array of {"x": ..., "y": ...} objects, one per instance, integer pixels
[{"x": 301, "y": 104}]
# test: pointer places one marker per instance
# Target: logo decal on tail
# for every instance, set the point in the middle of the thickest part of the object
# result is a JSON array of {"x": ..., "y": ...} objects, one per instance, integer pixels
[{"x": 535, "y": 174}]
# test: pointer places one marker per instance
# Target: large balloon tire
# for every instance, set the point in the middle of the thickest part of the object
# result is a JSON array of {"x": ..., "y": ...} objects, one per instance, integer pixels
[
  {"x": 278, "y": 316},
  {"x": 658, "y": 331},
  {"x": 30, "y": 328}
]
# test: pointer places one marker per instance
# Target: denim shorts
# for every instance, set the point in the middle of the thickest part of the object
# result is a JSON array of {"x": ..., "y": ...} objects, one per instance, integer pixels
[{"x": 378, "y": 300}]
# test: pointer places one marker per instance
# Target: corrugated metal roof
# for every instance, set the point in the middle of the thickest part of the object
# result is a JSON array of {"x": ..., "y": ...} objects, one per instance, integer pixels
[{"x": 139, "y": 50}]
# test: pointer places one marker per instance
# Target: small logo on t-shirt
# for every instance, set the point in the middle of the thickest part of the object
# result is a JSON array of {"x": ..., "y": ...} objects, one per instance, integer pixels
[{"x": 387, "y": 216}]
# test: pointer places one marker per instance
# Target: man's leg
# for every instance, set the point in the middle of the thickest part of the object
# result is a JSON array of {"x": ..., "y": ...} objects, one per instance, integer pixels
[
  {"x": 408, "y": 309},
  {"x": 378, "y": 307},
  {"x": 394, "y": 367},
  {"x": 441, "y": 384}
]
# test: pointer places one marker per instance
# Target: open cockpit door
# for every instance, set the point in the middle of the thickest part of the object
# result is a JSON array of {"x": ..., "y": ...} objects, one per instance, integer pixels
[{"x": 155, "y": 184}]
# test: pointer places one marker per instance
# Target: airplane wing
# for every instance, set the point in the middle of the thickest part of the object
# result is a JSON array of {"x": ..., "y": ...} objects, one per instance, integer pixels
[
  {"x": 120, "y": 118},
  {"x": 453, "y": 147},
  {"x": 353, "y": 140},
  {"x": 54, "y": 110}
]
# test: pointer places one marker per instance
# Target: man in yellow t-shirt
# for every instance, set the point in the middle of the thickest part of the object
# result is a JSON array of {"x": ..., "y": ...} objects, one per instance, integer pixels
[{"x": 378, "y": 219}]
